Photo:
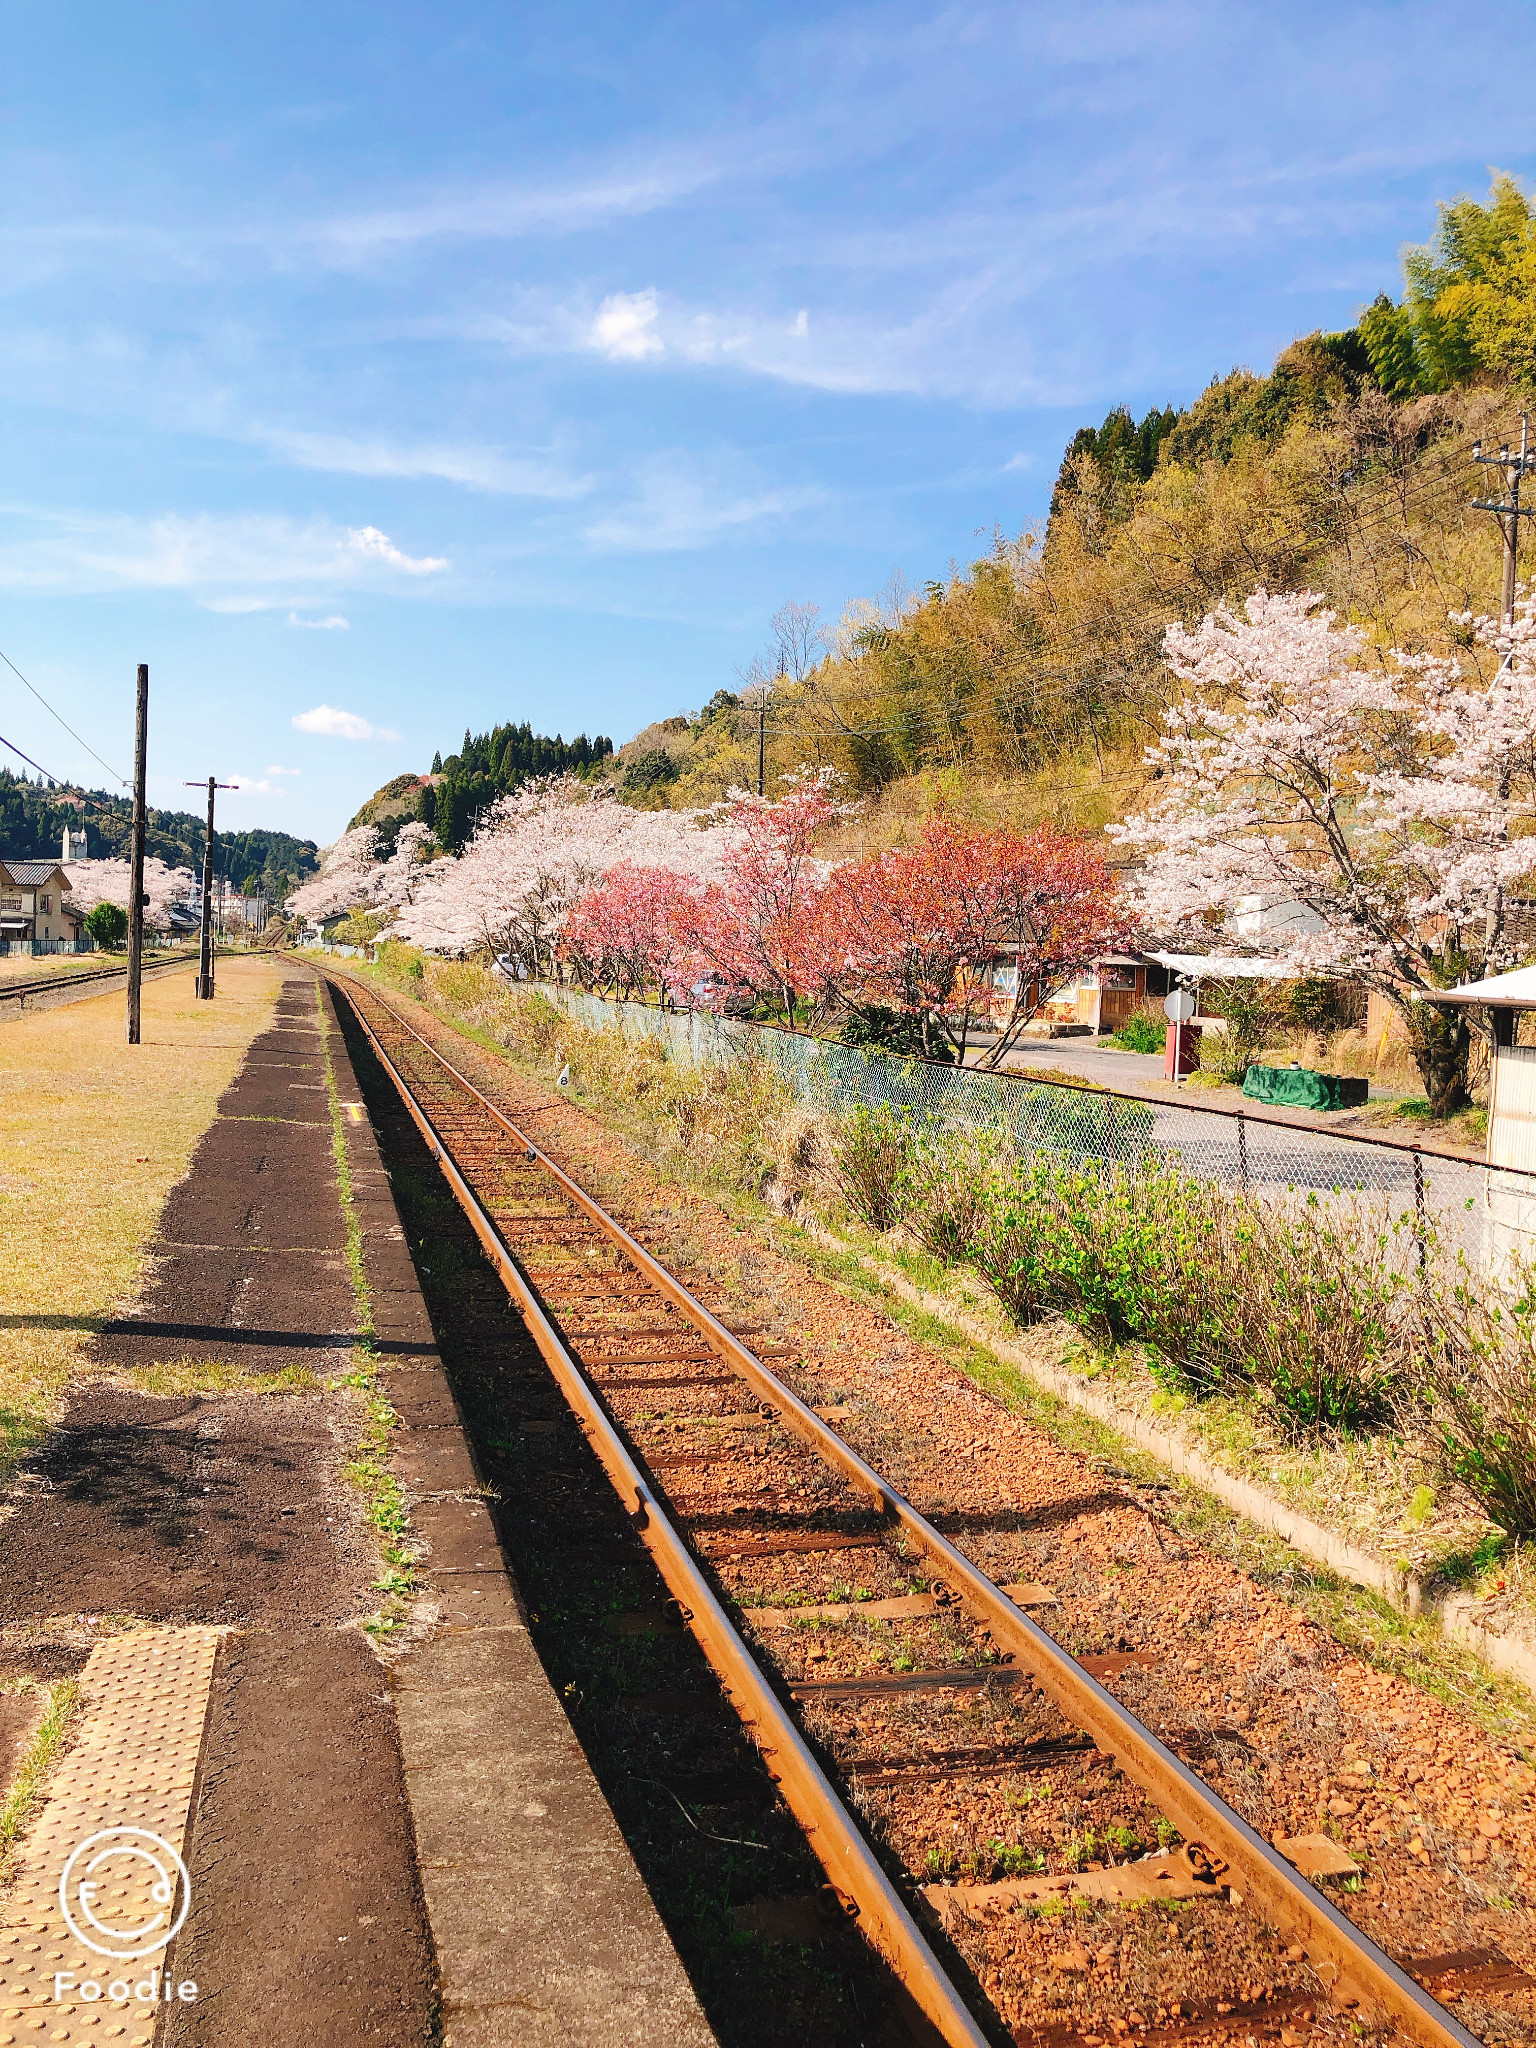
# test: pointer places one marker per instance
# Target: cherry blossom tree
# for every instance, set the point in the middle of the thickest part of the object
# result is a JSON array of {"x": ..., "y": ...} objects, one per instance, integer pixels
[
  {"x": 344, "y": 880},
  {"x": 629, "y": 930},
  {"x": 536, "y": 853},
  {"x": 1379, "y": 806},
  {"x": 355, "y": 874},
  {"x": 111, "y": 881},
  {"x": 923, "y": 929},
  {"x": 757, "y": 933}
]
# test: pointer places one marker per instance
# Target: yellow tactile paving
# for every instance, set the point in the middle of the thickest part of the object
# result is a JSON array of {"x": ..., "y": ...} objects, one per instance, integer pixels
[{"x": 133, "y": 1769}]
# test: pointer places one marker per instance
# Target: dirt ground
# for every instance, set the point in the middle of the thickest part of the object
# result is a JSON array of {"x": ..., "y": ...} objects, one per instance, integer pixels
[{"x": 212, "y": 1503}]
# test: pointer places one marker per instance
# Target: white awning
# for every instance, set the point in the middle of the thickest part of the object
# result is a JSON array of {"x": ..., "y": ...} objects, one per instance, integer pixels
[
  {"x": 1223, "y": 967},
  {"x": 1516, "y": 991}
]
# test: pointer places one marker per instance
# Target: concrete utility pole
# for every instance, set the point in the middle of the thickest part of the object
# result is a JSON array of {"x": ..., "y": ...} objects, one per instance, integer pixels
[
  {"x": 1509, "y": 508},
  {"x": 204, "y": 988},
  {"x": 136, "y": 858}
]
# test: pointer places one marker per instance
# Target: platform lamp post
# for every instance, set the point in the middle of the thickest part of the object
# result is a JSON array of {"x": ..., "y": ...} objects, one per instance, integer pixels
[{"x": 204, "y": 988}]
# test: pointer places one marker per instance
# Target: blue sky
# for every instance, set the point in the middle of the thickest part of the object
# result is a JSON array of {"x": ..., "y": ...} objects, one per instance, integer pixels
[{"x": 441, "y": 366}]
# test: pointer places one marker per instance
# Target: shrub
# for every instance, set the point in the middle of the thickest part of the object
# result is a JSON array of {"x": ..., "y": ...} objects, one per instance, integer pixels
[
  {"x": 1310, "y": 1300},
  {"x": 1320, "y": 1303},
  {"x": 1255, "y": 1014},
  {"x": 1008, "y": 1250},
  {"x": 870, "y": 1152},
  {"x": 1480, "y": 1382},
  {"x": 945, "y": 1186},
  {"x": 1141, "y": 1032},
  {"x": 904, "y": 1032}
]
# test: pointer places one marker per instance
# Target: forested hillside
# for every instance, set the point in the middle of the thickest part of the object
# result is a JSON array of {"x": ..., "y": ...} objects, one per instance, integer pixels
[
  {"x": 33, "y": 816},
  {"x": 489, "y": 764},
  {"x": 1027, "y": 683}
]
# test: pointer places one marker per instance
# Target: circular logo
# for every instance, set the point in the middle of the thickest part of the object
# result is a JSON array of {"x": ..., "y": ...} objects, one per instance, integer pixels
[{"x": 124, "y": 1893}]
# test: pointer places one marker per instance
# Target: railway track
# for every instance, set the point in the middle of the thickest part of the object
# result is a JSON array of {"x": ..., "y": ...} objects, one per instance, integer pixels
[
  {"x": 22, "y": 992},
  {"x": 776, "y": 1540}
]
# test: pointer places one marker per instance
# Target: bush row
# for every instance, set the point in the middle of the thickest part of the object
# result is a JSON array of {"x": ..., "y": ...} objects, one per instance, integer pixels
[{"x": 1337, "y": 1310}]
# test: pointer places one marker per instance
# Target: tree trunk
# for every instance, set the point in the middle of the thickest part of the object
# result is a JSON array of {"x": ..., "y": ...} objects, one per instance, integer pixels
[{"x": 1442, "y": 1042}]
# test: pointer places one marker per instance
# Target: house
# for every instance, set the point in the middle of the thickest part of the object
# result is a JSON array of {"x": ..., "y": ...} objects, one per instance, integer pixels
[
  {"x": 33, "y": 911},
  {"x": 1108, "y": 992}
]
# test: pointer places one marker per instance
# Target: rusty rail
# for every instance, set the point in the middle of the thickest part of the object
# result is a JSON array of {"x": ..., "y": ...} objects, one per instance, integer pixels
[
  {"x": 836, "y": 1842},
  {"x": 1345, "y": 1960}
]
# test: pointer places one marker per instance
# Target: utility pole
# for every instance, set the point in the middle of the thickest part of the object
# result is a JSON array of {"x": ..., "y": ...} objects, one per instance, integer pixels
[
  {"x": 1509, "y": 509},
  {"x": 136, "y": 857},
  {"x": 762, "y": 728},
  {"x": 204, "y": 988}
]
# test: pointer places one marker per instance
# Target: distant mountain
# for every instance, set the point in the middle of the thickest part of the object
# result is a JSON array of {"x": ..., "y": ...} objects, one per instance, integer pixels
[{"x": 33, "y": 816}]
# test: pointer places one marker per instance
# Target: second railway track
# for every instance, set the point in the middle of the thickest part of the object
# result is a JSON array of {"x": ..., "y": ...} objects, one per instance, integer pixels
[{"x": 768, "y": 1528}]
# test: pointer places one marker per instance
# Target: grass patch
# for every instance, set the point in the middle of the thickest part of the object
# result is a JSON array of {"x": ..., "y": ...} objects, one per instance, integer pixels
[
  {"x": 94, "y": 1133},
  {"x": 368, "y": 1469},
  {"x": 216, "y": 1377},
  {"x": 49, "y": 1740}
]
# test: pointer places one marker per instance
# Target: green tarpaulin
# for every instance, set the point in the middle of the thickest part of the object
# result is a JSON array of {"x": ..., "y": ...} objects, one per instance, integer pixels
[{"x": 1300, "y": 1088}]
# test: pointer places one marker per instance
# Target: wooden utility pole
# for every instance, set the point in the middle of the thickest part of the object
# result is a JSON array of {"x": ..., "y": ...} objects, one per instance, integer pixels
[
  {"x": 204, "y": 988},
  {"x": 1509, "y": 509},
  {"x": 136, "y": 858}
]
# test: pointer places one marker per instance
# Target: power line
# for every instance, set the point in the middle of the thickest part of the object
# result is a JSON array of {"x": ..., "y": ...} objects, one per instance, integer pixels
[
  {"x": 15, "y": 671},
  {"x": 83, "y": 794}
]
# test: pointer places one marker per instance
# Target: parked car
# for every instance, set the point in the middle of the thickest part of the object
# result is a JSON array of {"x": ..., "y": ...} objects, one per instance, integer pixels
[{"x": 708, "y": 993}]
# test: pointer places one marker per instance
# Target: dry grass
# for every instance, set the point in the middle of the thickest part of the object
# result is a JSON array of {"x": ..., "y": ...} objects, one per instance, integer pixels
[
  {"x": 29, "y": 966},
  {"x": 93, "y": 1135}
]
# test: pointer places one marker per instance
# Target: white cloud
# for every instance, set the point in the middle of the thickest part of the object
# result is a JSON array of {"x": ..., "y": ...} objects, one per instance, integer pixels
[
  {"x": 481, "y": 469},
  {"x": 257, "y": 783},
  {"x": 334, "y": 624},
  {"x": 282, "y": 771},
  {"x": 1023, "y": 460},
  {"x": 341, "y": 725},
  {"x": 245, "y": 563},
  {"x": 624, "y": 328},
  {"x": 368, "y": 540}
]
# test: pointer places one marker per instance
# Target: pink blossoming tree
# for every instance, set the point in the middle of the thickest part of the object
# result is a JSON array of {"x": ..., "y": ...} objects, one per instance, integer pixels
[{"x": 1380, "y": 806}]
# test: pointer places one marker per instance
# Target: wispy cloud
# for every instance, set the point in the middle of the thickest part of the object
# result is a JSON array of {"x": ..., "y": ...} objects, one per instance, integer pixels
[
  {"x": 334, "y": 624},
  {"x": 481, "y": 469},
  {"x": 341, "y": 725},
  {"x": 681, "y": 502},
  {"x": 282, "y": 771},
  {"x": 246, "y": 563}
]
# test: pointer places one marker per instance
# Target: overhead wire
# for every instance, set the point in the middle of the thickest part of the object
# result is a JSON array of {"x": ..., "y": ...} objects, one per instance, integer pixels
[
  {"x": 84, "y": 795},
  {"x": 37, "y": 693}
]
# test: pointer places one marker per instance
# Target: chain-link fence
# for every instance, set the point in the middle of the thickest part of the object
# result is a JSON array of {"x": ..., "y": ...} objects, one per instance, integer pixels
[{"x": 1484, "y": 1211}]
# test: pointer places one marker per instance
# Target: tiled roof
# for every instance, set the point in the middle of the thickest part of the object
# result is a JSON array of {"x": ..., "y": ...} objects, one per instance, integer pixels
[{"x": 29, "y": 874}]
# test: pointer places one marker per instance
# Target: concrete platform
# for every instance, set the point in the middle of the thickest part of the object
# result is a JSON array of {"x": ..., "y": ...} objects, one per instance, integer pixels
[{"x": 543, "y": 1927}]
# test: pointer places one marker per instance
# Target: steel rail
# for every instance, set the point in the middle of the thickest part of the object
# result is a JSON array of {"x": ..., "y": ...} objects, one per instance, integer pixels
[
  {"x": 49, "y": 984},
  {"x": 833, "y": 1837},
  {"x": 1346, "y": 1960}
]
